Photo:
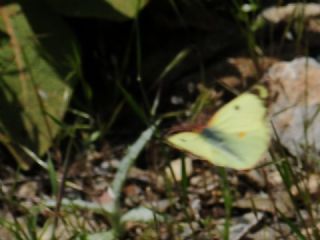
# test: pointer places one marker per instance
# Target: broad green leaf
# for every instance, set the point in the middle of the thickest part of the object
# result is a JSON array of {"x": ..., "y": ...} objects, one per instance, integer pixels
[
  {"x": 36, "y": 76},
  {"x": 116, "y": 10}
]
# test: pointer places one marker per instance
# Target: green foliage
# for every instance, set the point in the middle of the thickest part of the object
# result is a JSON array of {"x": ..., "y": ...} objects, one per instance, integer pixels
[
  {"x": 244, "y": 14},
  {"x": 40, "y": 62},
  {"x": 112, "y": 210},
  {"x": 116, "y": 10},
  {"x": 36, "y": 79}
]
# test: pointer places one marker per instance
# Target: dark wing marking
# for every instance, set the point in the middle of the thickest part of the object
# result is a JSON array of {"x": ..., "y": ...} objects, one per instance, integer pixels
[{"x": 216, "y": 138}]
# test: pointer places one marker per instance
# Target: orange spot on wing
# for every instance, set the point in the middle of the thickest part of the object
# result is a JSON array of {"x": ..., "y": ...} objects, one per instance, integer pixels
[{"x": 242, "y": 134}]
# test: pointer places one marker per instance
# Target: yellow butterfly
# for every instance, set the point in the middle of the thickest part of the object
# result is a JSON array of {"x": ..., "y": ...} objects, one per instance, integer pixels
[{"x": 236, "y": 136}]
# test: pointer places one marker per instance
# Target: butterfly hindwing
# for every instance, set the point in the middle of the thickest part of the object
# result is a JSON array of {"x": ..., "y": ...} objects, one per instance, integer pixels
[{"x": 199, "y": 146}]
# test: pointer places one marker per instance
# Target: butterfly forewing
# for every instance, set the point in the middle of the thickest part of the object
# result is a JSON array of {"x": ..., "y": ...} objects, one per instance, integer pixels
[{"x": 244, "y": 113}]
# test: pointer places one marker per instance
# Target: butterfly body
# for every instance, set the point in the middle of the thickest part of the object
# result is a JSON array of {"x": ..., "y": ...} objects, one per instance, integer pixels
[{"x": 236, "y": 136}]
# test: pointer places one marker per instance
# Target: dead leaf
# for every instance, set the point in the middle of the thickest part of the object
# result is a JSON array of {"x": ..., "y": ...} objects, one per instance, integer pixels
[{"x": 176, "y": 167}]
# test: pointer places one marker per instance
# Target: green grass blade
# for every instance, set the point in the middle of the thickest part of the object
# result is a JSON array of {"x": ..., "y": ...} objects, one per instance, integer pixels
[
  {"x": 125, "y": 164},
  {"x": 175, "y": 61},
  {"x": 128, "y": 160},
  {"x": 53, "y": 177},
  {"x": 295, "y": 229},
  {"x": 133, "y": 104},
  {"x": 227, "y": 201}
]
